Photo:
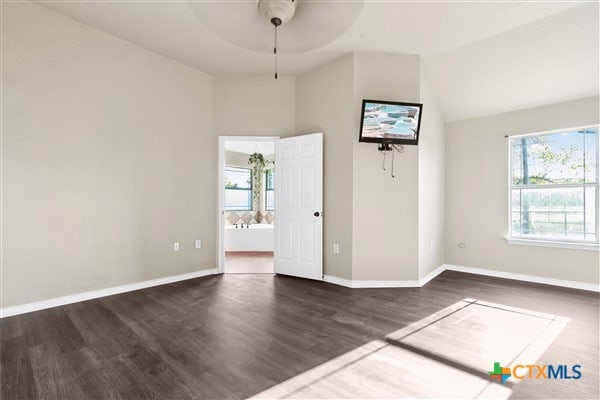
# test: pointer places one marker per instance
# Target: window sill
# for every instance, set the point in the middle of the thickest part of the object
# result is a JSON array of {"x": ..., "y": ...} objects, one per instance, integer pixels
[{"x": 548, "y": 243}]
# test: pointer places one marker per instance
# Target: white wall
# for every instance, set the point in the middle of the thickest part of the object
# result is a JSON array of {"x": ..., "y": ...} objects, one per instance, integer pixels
[
  {"x": 109, "y": 156},
  {"x": 432, "y": 177},
  {"x": 254, "y": 105},
  {"x": 105, "y": 160},
  {"x": 385, "y": 209},
  {"x": 477, "y": 194},
  {"x": 324, "y": 103},
  {"x": 374, "y": 217}
]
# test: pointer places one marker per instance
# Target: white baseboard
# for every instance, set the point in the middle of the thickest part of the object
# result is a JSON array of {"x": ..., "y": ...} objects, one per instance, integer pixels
[
  {"x": 384, "y": 284},
  {"x": 459, "y": 268},
  {"x": 424, "y": 280},
  {"x": 75, "y": 298},
  {"x": 527, "y": 278},
  {"x": 60, "y": 301},
  {"x": 355, "y": 284},
  {"x": 337, "y": 281}
]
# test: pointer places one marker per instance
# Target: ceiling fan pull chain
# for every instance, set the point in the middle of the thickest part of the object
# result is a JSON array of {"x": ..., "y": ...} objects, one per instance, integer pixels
[
  {"x": 277, "y": 12},
  {"x": 275, "y": 50}
]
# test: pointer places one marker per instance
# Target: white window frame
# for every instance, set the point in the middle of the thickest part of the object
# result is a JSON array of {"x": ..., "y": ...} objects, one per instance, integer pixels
[
  {"x": 272, "y": 170},
  {"x": 551, "y": 242},
  {"x": 249, "y": 190}
]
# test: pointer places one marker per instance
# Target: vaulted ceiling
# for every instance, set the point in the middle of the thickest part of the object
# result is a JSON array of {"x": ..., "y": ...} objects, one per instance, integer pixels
[{"x": 481, "y": 57}]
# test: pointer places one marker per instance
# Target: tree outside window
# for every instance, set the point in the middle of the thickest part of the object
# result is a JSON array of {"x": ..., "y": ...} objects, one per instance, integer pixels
[{"x": 554, "y": 185}]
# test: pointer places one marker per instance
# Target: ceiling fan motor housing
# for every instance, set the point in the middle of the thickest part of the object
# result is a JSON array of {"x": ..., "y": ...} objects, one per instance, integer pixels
[{"x": 277, "y": 12}]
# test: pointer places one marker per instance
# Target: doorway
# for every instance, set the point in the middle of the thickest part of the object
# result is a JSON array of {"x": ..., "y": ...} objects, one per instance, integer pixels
[
  {"x": 247, "y": 198},
  {"x": 246, "y": 203}
]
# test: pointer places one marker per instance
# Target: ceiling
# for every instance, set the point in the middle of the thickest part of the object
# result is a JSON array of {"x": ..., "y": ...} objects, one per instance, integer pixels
[
  {"x": 249, "y": 147},
  {"x": 481, "y": 57}
]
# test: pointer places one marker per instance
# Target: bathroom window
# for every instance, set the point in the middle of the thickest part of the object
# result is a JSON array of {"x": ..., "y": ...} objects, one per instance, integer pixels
[
  {"x": 269, "y": 190},
  {"x": 238, "y": 189},
  {"x": 554, "y": 187}
]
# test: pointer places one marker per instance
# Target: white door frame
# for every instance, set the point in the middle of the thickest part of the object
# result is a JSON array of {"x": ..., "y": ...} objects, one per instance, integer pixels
[{"x": 221, "y": 191}]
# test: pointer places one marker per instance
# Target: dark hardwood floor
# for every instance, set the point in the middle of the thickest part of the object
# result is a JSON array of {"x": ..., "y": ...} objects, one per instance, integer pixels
[{"x": 233, "y": 336}]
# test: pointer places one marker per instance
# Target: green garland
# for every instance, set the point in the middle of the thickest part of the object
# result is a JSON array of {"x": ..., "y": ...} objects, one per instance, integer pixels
[{"x": 258, "y": 163}]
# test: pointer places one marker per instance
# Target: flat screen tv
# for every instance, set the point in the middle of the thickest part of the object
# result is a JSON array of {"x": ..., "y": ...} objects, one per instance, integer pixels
[{"x": 390, "y": 122}]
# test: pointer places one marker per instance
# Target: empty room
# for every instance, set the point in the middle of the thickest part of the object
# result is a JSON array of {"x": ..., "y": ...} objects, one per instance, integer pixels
[{"x": 314, "y": 199}]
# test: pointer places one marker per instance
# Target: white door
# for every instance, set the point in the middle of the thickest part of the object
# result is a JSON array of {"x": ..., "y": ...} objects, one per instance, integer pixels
[{"x": 299, "y": 206}]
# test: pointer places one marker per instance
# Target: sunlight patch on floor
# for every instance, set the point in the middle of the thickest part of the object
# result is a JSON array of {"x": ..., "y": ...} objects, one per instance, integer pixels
[
  {"x": 445, "y": 355},
  {"x": 475, "y": 334},
  {"x": 381, "y": 370}
]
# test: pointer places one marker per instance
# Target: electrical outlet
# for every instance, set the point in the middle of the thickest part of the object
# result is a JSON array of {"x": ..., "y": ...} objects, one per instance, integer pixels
[
  {"x": 336, "y": 248},
  {"x": 198, "y": 244},
  {"x": 176, "y": 246}
]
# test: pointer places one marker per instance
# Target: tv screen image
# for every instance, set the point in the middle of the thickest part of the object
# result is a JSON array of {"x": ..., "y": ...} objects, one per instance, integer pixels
[{"x": 390, "y": 122}]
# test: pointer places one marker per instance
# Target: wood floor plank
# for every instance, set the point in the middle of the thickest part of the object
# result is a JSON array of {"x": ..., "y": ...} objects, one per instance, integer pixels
[
  {"x": 51, "y": 326},
  {"x": 11, "y": 328},
  {"x": 16, "y": 375},
  {"x": 53, "y": 374},
  {"x": 102, "y": 330},
  {"x": 234, "y": 336},
  {"x": 116, "y": 379}
]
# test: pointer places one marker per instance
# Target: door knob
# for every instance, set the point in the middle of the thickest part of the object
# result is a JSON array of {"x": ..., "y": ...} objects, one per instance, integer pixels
[{"x": 317, "y": 214}]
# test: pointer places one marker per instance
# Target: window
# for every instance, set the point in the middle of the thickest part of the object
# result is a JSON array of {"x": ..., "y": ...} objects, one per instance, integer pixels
[
  {"x": 554, "y": 186},
  {"x": 269, "y": 190},
  {"x": 238, "y": 189}
]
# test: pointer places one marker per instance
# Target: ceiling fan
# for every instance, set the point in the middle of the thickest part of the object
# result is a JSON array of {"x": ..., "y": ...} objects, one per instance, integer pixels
[
  {"x": 299, "y": 25},
  {"x": 277, "y": 12}
]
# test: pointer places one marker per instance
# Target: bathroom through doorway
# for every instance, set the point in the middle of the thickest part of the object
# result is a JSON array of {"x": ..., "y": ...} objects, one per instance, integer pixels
[{"x": 247, "y": 204}]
